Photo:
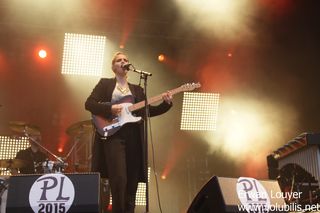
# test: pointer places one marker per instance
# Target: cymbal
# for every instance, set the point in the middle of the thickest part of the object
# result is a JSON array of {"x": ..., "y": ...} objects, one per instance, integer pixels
[
  {"x": 80, "y": 127},
  {"x": 13, "y": 163},
  {"x": 23, "y": 127}
]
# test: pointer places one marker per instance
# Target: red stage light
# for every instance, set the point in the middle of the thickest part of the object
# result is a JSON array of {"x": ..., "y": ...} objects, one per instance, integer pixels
[
  {"x": 42, "y": 53},
  {"x": 60, "y": 150},
  {"x": 109, "y": 208},
  {"x": 161, "y": 57}
]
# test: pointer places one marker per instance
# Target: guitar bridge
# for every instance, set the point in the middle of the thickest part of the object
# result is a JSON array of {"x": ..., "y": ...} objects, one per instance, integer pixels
[{"x": 110, "y": 127}]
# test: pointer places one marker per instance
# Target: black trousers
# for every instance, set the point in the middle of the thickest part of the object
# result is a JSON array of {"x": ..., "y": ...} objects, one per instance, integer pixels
[{"x": 122, "y": 154}]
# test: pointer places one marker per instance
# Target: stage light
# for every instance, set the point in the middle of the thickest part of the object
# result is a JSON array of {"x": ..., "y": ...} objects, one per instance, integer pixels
[
  {"x": 141, "y": 192},
  {"x": 226, "y": 19},
  {"x": 163, "y": 177},
  {"x": 9, "y": 146},
  {"x": 42, "y": 53},
  {"x": 199, "y": 111},
  {"x": 60, "y": 150},
  {"x": 121, "y": 46},
  {"x": 161, "y": 57},
  {"x": 241, "y": 126},
  {"x": 109, "y": 208},
  {"x": 83, "y": 54}
]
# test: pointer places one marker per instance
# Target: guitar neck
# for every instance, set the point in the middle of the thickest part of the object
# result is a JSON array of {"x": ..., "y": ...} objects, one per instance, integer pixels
[{"x": 152, "y": 100}]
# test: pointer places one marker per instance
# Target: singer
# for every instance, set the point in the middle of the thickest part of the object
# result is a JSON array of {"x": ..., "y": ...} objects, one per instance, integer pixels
[{"x": 121, "y": 157}]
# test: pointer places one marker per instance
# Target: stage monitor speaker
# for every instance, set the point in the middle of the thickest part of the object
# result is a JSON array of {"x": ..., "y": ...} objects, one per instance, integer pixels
[
  {"x": 219, "y": 195},
  {"x": 72, "y": 193}
]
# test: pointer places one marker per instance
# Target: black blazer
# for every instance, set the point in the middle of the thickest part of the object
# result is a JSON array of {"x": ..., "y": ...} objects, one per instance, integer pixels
[{"x": 99, "y": 103}]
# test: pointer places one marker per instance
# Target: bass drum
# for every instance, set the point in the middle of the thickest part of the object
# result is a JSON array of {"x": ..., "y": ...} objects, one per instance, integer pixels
[
  {"x": 53, "y": 167},
  {"x": 48, "y": 167}
]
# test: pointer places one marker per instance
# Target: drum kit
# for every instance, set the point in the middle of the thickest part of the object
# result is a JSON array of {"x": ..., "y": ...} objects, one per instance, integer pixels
[{"x": 59, "y": 163}]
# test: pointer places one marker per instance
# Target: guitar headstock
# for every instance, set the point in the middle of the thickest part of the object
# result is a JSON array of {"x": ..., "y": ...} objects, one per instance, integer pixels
[{"x": 190, "y": 86}]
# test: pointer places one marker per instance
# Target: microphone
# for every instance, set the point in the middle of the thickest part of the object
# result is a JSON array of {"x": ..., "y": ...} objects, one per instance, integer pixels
[{"x": 126, "y": 66}]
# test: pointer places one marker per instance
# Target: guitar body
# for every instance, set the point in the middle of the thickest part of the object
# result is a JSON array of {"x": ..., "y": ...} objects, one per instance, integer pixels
[{"x": 107, "y": 127}]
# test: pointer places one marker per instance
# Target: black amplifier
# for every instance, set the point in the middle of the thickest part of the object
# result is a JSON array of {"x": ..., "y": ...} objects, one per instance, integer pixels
[{"x": 54, "y": 193}]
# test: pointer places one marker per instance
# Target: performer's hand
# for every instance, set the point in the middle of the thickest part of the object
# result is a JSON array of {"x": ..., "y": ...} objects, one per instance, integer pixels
[
  {"x": 167, "y": 97},
  {"x": 116, "y": 109}
]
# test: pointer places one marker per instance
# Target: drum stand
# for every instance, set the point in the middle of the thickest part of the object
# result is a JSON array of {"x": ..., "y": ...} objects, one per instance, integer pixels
[{"x": 76, "y": 142}]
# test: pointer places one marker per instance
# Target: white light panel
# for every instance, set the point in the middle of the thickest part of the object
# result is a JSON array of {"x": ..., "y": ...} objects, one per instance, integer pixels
[
  {"x": 83, "y": 54},
  {"x": 199, "y": 111},
  {"x": 9, "y": 146}
]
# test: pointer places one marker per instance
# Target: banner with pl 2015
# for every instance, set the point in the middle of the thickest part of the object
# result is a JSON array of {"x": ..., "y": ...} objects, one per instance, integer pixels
[{"x": 54, "y": 193}]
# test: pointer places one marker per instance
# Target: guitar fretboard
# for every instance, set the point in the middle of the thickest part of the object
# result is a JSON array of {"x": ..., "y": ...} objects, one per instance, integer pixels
[{"x": 152, "y": 100}]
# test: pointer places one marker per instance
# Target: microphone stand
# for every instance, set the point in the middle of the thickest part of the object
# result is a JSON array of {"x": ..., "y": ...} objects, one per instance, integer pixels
[{"x": 144, "y": 76}]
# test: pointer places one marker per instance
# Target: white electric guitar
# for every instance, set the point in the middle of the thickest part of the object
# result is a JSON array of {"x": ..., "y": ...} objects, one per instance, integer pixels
[{"x": 107, "y": 127}]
